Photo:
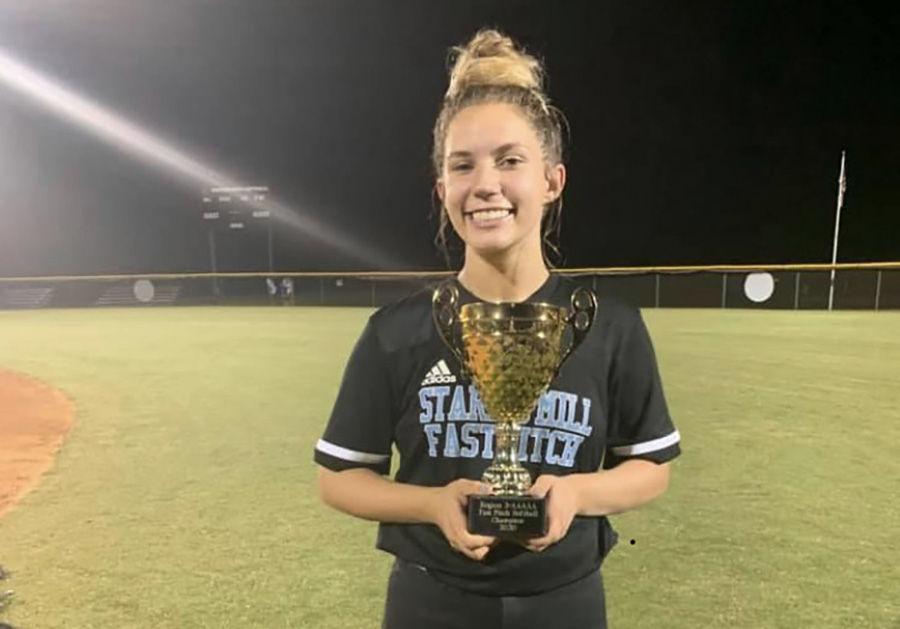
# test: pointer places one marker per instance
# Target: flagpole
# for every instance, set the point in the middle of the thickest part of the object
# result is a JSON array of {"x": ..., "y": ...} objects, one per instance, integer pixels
[{"x": 842, "y": 186}]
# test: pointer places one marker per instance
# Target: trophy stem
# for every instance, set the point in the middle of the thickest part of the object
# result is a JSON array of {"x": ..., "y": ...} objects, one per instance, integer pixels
[
  {"x": 505, "y": 475},
  {"x": 508, "y": 435}
]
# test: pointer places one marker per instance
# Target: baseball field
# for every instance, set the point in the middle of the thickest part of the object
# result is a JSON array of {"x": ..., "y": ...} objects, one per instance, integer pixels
[{"x": 183, "y": 493}]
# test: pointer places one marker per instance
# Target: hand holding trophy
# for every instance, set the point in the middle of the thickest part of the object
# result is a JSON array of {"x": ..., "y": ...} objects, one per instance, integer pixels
[{"x": 511, "y": 352}]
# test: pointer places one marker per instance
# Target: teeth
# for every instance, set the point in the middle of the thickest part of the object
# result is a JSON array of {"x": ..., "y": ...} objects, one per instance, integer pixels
[{"x": 489, "y": 215}]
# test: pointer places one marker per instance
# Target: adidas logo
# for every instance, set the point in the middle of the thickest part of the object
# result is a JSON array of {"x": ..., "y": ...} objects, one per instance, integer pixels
[{"x": 439, "y": 374}]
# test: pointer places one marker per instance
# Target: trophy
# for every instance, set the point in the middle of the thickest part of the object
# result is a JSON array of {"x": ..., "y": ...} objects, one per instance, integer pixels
[{"x": 511, "y": 352}]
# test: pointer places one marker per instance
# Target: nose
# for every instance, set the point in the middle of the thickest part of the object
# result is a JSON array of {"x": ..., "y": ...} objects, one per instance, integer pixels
[{"x": 487, "y": 182}]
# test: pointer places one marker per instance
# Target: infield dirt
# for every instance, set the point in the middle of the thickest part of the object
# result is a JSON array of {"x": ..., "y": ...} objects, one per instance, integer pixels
[{"x": 34, "y": 420}]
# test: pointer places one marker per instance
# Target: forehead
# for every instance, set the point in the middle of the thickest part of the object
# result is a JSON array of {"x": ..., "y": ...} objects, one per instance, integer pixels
[{"x": 482, "y": 128}]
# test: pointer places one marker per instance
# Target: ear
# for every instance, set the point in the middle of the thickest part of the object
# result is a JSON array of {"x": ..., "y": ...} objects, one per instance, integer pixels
[
  {"x": 556, "y": 181},
  {"x": 440, "y": 189}
]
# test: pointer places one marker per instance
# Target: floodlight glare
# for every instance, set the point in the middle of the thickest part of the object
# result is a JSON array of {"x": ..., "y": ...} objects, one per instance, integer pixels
[{"x": 131, "y": 138}]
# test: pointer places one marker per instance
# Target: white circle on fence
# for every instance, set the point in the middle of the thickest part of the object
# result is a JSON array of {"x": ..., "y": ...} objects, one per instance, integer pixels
[
  {"x": 144, "y": 291},
  {"x": 759, "y": 287}
]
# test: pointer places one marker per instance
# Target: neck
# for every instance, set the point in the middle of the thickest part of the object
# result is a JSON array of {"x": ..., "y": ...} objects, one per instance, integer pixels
[{"x": 509, "y": 277}]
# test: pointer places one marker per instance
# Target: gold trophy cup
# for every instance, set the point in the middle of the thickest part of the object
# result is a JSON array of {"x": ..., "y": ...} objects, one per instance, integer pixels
[{"x": 511, "y": 352}]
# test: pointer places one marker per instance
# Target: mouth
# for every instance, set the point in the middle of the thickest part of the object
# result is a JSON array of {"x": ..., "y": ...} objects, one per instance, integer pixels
[{"x": 489, "y": 216}]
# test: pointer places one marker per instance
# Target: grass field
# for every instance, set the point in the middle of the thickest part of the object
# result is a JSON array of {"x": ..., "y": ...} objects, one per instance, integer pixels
[{"x": 184, "y": 496}]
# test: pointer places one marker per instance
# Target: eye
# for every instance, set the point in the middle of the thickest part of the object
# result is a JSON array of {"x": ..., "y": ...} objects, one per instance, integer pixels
[
  {"x": 460, "y": 166},
  {"x": 511, "y": 161}
]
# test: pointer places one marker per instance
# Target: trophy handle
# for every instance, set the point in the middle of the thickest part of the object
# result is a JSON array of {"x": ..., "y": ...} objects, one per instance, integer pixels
[
  {"x": 584, "y": 307},
  {"x": 445, "y": 310}
]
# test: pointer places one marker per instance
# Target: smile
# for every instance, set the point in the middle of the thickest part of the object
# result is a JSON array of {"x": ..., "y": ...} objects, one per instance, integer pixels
[{"x": 489, "y": 215}]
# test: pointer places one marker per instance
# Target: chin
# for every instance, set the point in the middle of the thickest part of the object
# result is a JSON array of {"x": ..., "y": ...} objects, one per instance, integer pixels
[
  {"x": 492, "y": 245},
  {"x": 491, "y": 249}
]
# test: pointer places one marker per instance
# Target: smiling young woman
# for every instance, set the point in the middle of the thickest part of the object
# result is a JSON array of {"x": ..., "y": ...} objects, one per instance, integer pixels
[
  {"x": 495, "y": 185},
  {"x": 599, "y": 442},
  {"x": 497, "y": 160}
]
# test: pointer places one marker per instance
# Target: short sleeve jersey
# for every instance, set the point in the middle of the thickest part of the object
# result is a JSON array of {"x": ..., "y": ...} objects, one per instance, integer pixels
[{"x": 402, "y": 388}]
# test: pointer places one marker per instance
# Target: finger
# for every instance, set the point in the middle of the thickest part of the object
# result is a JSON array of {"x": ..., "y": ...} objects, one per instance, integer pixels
[
  {"x": 474, "y": 541},
  {"x": 554, "y": 534},
  {"x": 542, "y": 544},
  {"x": 476, "y": 487},
  {"x": 459, "y": 536},
  {"x": 468, "y": 488},
  {"x": 538, "y": 544},
  {"x": 541, "y": 487},
  {"x": 479, "y": 554},
  {"x": 469, "y": 485}
]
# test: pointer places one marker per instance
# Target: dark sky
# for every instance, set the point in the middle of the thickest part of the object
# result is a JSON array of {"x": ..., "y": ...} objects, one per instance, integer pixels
[{"x": 702, "y": 132}]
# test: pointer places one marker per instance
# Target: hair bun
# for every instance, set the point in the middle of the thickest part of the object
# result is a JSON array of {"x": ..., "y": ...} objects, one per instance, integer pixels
[{"x": 492, "y": 58}]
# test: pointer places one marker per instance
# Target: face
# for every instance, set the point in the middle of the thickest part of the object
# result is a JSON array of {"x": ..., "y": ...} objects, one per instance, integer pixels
[{"x": 495, "y": 180}]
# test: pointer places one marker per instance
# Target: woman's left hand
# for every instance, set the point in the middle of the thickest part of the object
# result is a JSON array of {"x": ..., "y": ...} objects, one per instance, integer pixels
[{"x": 562, "y": 507}]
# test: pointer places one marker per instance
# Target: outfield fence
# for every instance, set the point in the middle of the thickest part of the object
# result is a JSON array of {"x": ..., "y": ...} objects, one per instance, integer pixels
[{"x": 857, "y": 286}]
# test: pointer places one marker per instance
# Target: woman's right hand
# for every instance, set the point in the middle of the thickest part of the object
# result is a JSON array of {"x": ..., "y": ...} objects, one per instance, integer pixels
[{"x": 448, "y": 511}]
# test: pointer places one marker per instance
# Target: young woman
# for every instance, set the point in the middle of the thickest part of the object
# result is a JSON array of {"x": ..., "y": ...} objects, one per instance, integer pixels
[{"x": 600, "y": 440}]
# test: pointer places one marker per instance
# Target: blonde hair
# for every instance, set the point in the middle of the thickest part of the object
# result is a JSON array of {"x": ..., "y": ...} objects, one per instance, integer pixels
[{"x": 492, "y": 69}]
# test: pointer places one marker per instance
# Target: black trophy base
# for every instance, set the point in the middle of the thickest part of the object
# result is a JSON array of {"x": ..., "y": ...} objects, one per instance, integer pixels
[{"x": 508, "y": 517}]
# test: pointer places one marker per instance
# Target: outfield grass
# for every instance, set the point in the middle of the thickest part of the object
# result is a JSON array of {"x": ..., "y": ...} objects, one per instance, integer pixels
[{"x": 184, "y": 496}]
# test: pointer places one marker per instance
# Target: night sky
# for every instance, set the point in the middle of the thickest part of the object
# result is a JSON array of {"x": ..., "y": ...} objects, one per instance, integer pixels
[{"x": 701, "y": 132}]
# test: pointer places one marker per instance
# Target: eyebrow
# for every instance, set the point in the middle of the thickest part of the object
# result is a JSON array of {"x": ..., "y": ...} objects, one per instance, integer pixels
[{"x": 497, "y": 151}]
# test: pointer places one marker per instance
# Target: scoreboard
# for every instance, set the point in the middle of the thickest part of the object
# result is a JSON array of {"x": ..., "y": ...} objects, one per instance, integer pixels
[
  {"x": 234, "y": 207},
  {"x": 235, "y": 216}
]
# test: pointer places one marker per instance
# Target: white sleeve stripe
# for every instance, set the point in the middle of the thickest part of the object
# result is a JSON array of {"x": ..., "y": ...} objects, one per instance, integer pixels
[
  {"x": 350, "y": 455},
  {"x": 648, "y": 446}
]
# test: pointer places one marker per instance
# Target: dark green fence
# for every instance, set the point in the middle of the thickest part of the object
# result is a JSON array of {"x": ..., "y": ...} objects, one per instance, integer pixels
[{"x": 856, "y": 287}]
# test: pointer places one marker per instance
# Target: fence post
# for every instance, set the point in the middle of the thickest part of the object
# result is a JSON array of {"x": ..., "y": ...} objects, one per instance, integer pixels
[
  {"x": 321, "y": 291},
  {"x": 656, "y": 303},
  {"x": 212, "y": 264},
  {"x": 373, "y": 292},
  {"x": 797, "y": 291},
  {"x": 878, "y": 291},
  {"x": 724, "y": 287}
]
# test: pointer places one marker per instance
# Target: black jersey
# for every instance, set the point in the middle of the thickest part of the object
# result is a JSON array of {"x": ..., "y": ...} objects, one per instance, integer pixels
[{"x": 402, "y": 387}]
